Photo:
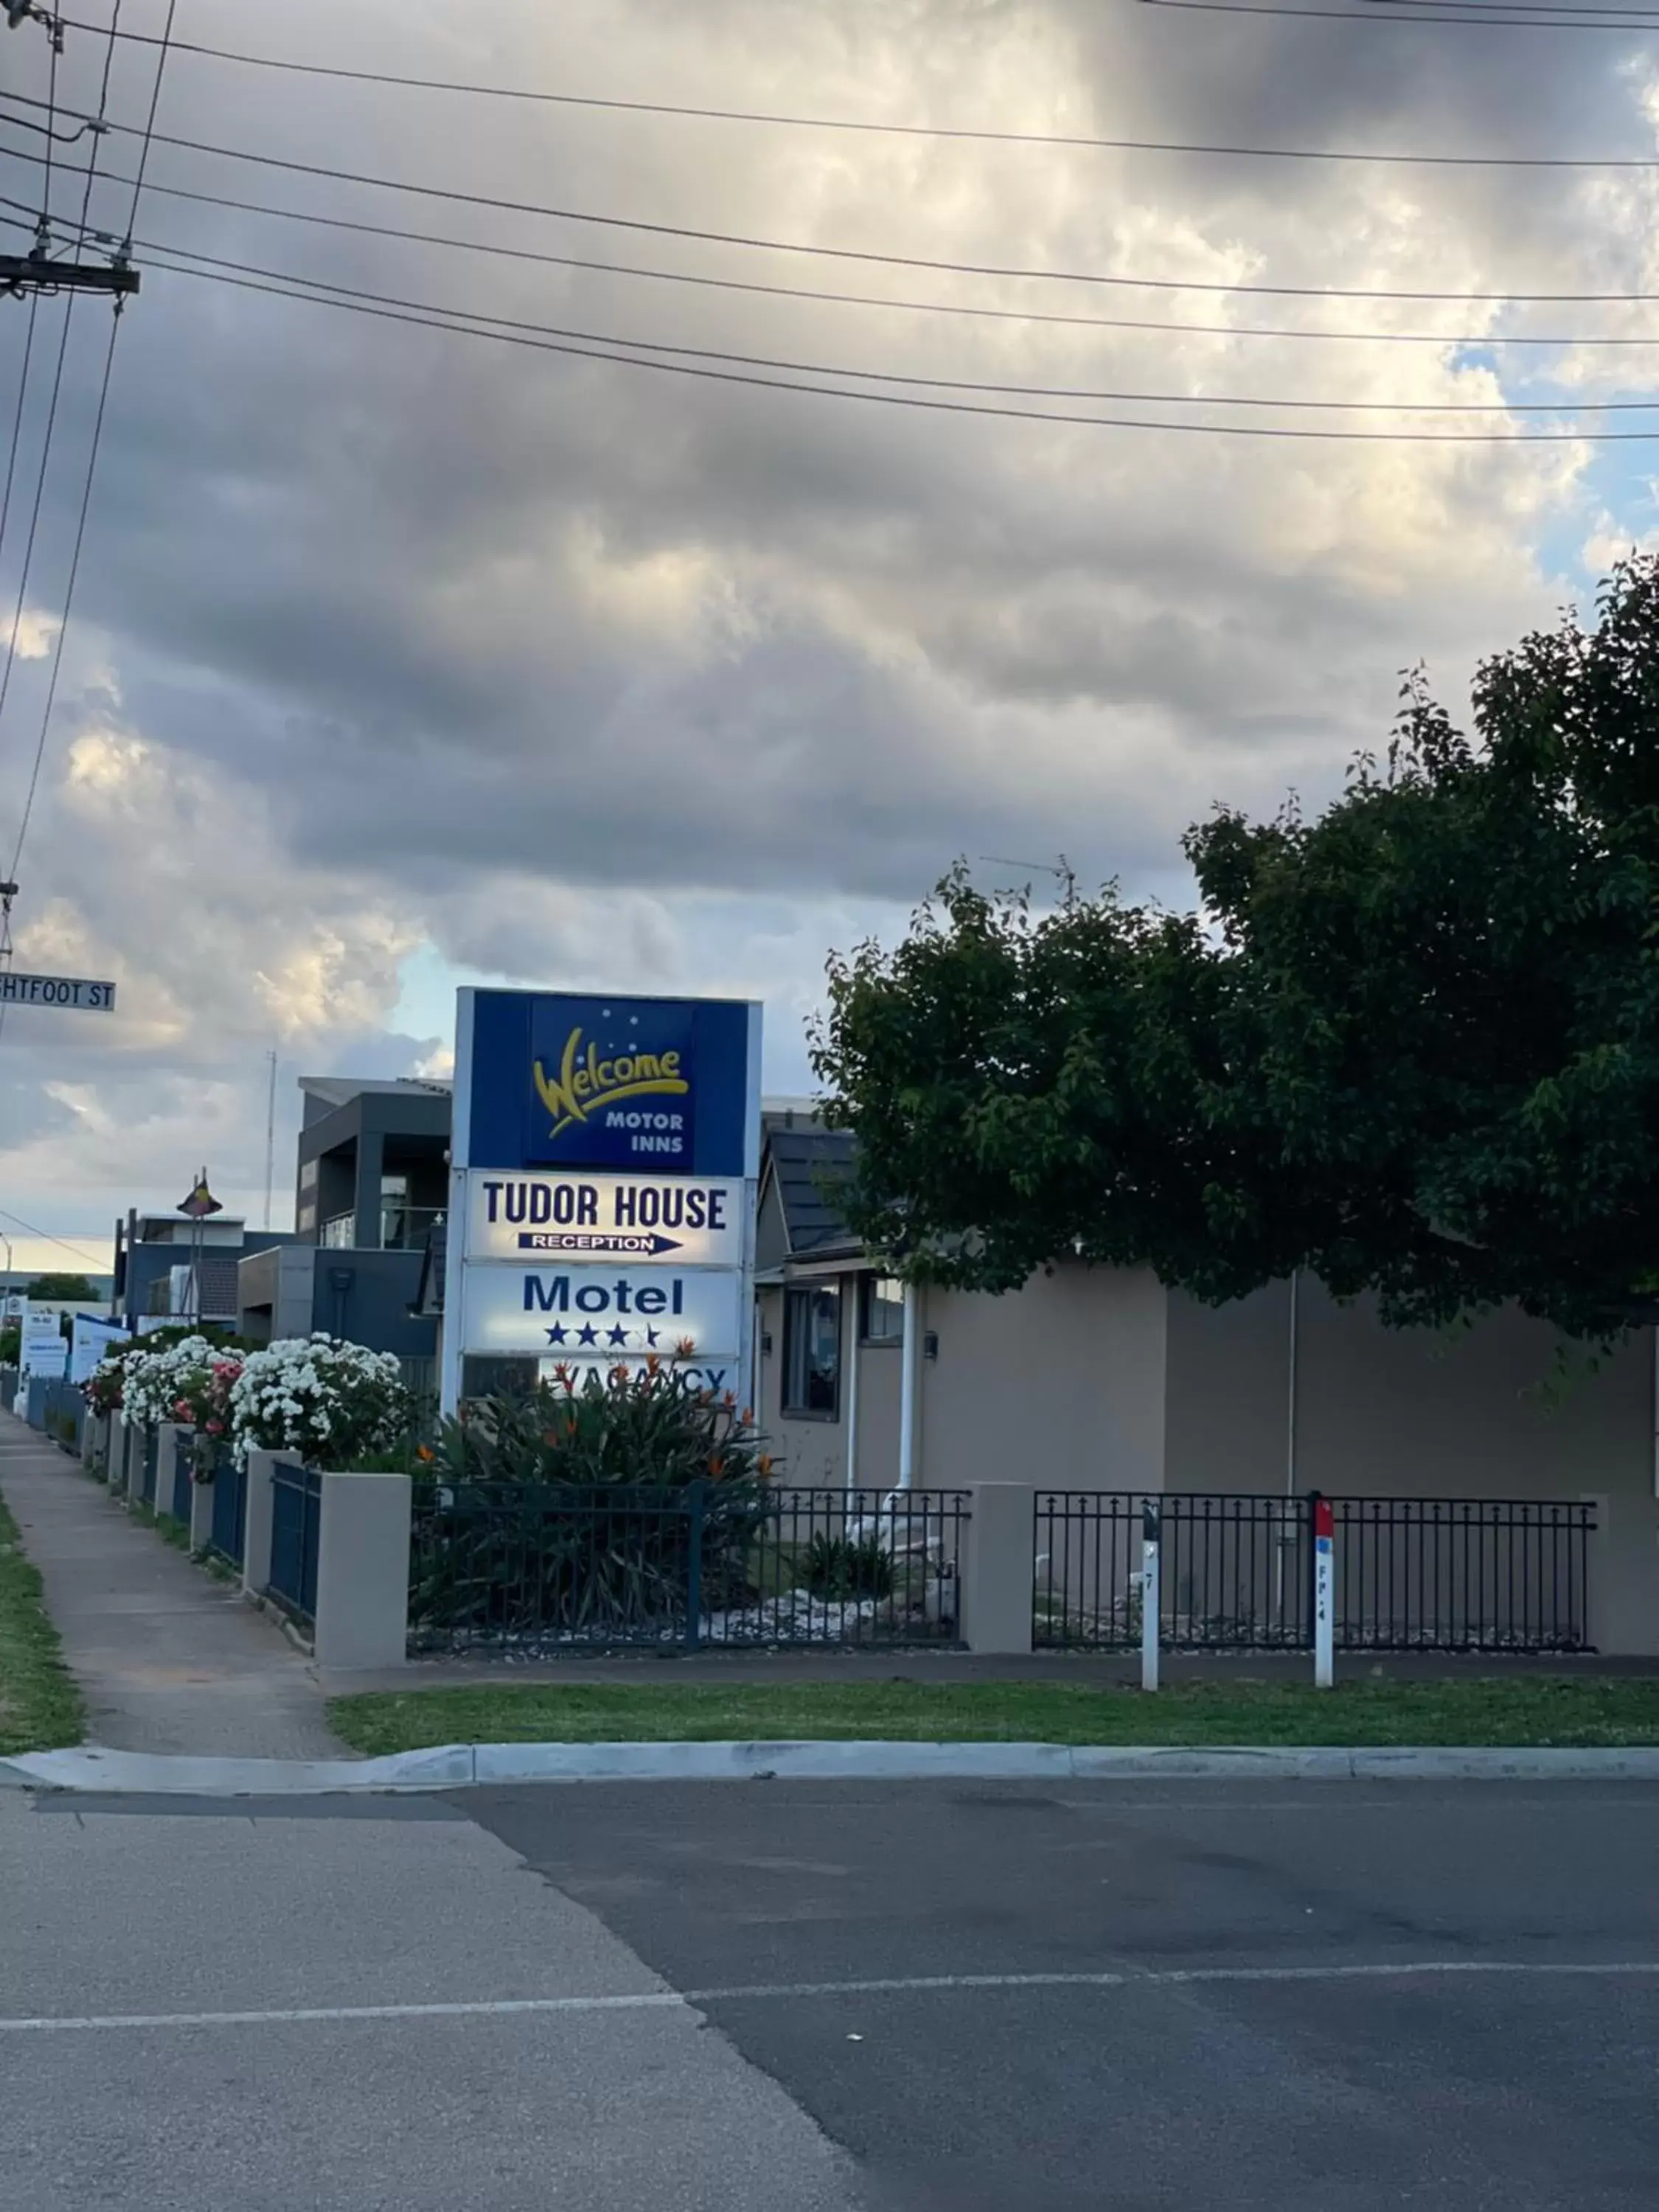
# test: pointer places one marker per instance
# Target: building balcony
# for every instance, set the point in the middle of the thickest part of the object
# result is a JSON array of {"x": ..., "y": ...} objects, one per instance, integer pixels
[{"x": 402, "y": 1228}]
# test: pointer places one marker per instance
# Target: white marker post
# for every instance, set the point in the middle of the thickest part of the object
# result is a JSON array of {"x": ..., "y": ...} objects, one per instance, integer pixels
[
  {"x": 1324, "y": 1593},
  {"x": 1151, "y": 1533}
]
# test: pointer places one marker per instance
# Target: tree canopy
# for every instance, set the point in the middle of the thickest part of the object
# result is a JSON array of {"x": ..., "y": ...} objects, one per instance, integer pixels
[
  {"x": 1412, "y": 1044},
  {"x": 61, "y": 1286}
]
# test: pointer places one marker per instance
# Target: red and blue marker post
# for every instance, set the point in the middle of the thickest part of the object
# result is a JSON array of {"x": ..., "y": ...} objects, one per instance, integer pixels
[{"x": 1324, "y": 1524}]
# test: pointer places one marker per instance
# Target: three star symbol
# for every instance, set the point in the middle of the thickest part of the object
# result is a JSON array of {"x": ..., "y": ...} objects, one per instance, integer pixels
[{"x": 588, "y": 1334}]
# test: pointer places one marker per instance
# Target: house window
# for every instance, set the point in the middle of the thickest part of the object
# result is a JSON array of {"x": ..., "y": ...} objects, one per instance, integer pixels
[
  {"x": 883, "y": 1320},
  {"x": 811, "y": 1351}
]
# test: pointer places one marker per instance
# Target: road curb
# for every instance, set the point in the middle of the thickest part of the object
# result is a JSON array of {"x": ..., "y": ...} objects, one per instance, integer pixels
[{"x": 461, "y": 1766}]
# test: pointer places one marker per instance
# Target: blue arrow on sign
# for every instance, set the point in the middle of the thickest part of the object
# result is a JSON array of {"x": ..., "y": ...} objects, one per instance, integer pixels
[{"x": 621, "y": 1244}]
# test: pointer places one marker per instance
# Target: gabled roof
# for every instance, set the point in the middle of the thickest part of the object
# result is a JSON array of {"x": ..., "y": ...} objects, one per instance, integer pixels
[{"x": 805, "y": 1163}]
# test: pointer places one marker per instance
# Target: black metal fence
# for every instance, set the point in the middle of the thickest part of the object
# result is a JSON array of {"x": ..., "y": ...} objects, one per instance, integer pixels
[
  {"x": 1458, "y": 1574},
  {"x": 296, "y": 1509},
  {"x": 562, "y": 1568},
  {"x": 229, "y": 1509},
  {"x": 1235, "y": 1573}
]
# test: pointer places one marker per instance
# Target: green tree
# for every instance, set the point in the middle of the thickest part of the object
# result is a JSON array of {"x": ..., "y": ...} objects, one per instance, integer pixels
[
  {"x": 55, "y": 1288},
  {"x": 1412, "y": 1044}
]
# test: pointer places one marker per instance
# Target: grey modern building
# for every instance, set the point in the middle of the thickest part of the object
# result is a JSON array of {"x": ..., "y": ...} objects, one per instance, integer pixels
[{"x": 371, "y": 1180}]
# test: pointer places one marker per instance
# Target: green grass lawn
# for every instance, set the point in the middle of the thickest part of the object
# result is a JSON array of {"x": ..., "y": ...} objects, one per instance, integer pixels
[
  {"x": 39, "y": 1705},
  {"x": 1518, "y": 1711}
]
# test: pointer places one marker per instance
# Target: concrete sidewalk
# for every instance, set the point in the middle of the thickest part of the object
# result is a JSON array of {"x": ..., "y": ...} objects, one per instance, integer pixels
[{"x": 168, "y": 1659}]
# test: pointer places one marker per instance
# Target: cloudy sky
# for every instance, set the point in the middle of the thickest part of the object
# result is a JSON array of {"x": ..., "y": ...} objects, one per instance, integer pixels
[{"x": 400, "y": 657}]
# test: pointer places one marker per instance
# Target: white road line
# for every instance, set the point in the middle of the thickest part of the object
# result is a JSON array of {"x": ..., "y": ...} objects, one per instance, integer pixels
[
  {"x": 308, "y": 2016},
  {"x": 895, "y": 1986}
]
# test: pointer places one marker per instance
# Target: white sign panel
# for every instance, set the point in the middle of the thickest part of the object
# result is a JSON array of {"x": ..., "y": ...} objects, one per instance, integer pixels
[
  {"x": 602, "y": 1314},
  {"x": 672, "y": 1220},
  {"x": 17, "y": 989},
  {"x": 94, "y": 1335},
  {"x": 44, "y": 1352}
]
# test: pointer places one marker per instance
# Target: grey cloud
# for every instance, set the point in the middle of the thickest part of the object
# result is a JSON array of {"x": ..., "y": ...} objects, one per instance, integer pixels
[{"x": 428, "y": 635}]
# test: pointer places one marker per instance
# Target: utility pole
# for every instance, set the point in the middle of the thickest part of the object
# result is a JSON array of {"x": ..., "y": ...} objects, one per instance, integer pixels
[
  {"x": 22, "y": 273},
  {"x": 35, "y": 272}
]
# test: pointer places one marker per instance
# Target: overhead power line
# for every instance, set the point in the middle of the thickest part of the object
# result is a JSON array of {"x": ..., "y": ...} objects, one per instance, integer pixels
[
  {"x": 753, "y": 381},
  {"x": 468, "y": 316},
  {"x": 473, "y": 247},
  {"x": 1363, "y": 14},
  {"x": 17, "y": 418},
  {"x": 97, "y": 431},
  {"x": 753, "y": 287},
  {"x": 870, "y": 126},
  {"x": 85, "y": 1251},
  {"x": 820, "y": 252}
]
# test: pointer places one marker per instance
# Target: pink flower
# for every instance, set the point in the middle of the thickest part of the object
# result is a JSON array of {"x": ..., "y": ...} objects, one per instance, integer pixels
[
  {"x": 216, "y": 1428},
  {"x": 181, "y": 1408}
]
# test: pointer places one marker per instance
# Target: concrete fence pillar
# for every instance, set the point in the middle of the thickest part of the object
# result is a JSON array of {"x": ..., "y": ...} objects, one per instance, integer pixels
[
  {"x": 999, "y": 1568},
  {"x": 1621, "y": 1607},
  {"x": 362, "y": 1571},
  {"x": 168, "y": 1434},
  {"x": 137, "y": 1437},
  {"x": 256, "y": 1539}
]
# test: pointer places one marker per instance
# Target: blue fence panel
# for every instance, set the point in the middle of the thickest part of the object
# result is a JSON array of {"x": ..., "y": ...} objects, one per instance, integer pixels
[
  {"x": 296, "y": 1505},
  {"x": 63, "y": 1413},
  {"x": 184, "y": 1461},
  {"x": 229, "y": 1509}
]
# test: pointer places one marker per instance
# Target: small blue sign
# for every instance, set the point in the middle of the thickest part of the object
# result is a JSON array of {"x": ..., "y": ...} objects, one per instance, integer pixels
[{"x": 560, "y": 1080}]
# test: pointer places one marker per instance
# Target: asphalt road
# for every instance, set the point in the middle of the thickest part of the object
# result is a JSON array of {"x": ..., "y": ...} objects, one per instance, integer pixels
[
  {"x": 834, "y": 1998},
  {"x": 1244, "y": 2050}
]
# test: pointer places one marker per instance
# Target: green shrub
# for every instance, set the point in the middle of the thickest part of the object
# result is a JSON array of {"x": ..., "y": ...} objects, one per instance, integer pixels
[
  {"x": 848, "y": 1568},
  {"x": 570, "y": 1511}
]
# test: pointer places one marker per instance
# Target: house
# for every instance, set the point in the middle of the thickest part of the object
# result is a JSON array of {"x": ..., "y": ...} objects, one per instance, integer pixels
[
  {"x": 1099, "y": 1378},
  {"x": 372, "y": 1179}
]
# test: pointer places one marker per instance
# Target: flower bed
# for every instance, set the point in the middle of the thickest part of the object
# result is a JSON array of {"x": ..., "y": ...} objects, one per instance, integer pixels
[{"x": 326, "y": 1401}]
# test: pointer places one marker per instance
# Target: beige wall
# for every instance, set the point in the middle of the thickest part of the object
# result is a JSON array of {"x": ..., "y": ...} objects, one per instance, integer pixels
[
  {"x": 881, "y": 1370},
  {"x": 1059, "y": 1384},
  {"x": 1097, "y": 1379},
  {"x": 1416, "y": 1413}
]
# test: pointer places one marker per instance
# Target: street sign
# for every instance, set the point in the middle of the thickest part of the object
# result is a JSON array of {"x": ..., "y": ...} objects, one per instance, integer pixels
[
  {"x": 45, "y": 1350},
  {"x": 17, "y": 989}
]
